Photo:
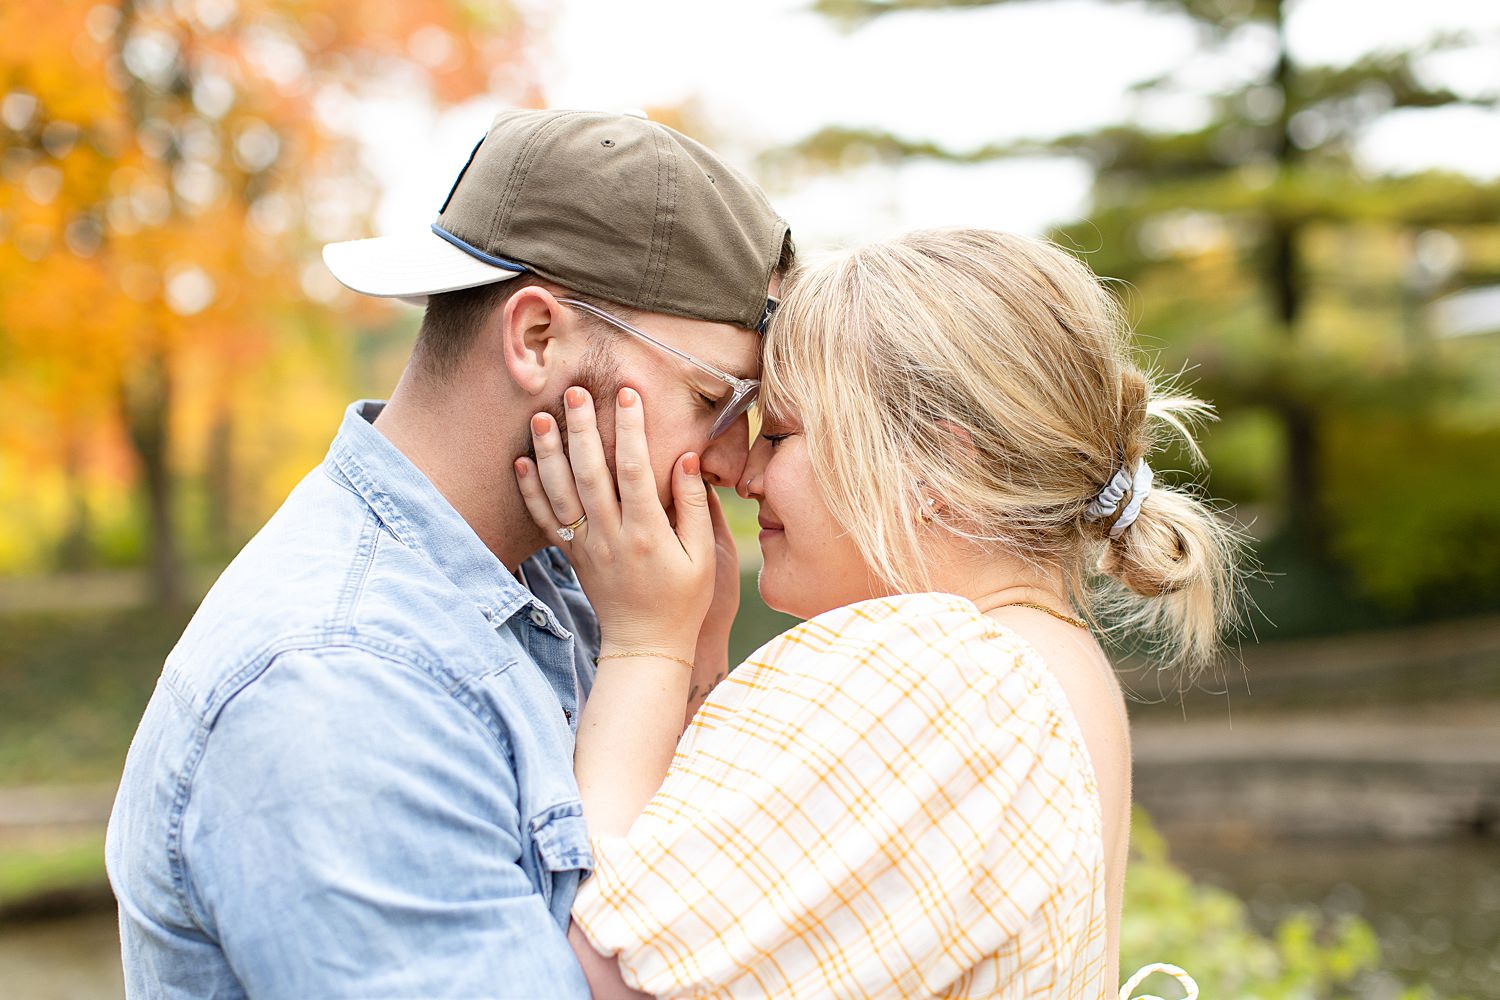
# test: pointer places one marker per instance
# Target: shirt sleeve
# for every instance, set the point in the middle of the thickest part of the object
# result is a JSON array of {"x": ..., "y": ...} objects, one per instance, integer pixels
[
  {"x": 877, "y": 805},
  {"x": 351, "y": 830}
]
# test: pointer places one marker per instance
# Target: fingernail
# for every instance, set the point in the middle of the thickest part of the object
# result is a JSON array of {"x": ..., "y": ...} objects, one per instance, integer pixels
[
  {"x": 540, "y": 423},
  {"x": 690, "y": 463},
  {"x": 628, "y": 396},
  {"x": 575, "y": 397},
  {"x": 520, "y": 468}
]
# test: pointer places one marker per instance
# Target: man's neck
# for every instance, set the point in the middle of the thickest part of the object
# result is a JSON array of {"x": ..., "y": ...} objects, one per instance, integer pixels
[{"x": 464, "y": 444}]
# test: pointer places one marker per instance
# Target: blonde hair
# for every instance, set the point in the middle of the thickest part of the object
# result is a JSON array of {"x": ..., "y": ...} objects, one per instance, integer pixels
[{"x": 992, "y": 373}]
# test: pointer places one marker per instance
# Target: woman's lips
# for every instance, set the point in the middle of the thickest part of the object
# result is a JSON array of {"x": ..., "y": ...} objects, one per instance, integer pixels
[{"x": 768, "y": 527}]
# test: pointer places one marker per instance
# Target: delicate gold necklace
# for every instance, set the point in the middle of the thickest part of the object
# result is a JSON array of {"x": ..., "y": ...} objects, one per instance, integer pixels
[{"x": 1078, "y": 622}]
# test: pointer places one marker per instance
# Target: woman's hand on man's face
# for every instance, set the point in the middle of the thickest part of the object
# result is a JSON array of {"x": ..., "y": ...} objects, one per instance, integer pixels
[{"x": 649, "y": 583}]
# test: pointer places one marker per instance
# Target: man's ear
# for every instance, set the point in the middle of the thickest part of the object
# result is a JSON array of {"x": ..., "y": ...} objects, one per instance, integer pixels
[{"x": 533, "y": 330}]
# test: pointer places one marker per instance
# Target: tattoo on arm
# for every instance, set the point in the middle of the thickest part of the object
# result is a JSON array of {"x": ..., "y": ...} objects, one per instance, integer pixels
[{"x": 698, "y": 694}]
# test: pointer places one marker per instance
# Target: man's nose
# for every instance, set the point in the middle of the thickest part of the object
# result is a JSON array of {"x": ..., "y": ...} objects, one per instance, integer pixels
[{"x": 724, "y": 458}]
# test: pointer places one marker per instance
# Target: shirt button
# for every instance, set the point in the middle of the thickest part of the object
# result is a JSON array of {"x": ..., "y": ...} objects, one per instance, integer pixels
[{"x": 538, "y": 618}]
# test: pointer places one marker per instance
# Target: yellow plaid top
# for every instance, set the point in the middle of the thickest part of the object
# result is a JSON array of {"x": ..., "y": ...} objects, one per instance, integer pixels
[{"x": 890, "y": 800}]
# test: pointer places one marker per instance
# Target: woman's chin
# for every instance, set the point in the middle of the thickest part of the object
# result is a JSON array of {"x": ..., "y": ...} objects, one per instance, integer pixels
[
  {"x": 779, "y": 593},
  {"x": 773, "y": 591}
]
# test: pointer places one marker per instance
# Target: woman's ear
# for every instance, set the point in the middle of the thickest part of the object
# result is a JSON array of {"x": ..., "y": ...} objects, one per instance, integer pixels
[
  {"x": 532, "y": 329},
  {"x": 958, "y": 443},
  {"x": 929, "y": 505}
]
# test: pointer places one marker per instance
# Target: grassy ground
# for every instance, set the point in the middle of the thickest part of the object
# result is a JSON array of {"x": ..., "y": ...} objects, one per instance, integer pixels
[
  {"x": 51, "y": 864},
  {"x": 72, "y": 688}
]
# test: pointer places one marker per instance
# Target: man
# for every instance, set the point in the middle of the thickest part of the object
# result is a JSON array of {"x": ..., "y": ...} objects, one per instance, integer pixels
[{"x": 354, "y": 778}]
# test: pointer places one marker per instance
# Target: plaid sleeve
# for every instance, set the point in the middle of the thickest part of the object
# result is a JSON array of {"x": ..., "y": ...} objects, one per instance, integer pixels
[{"x": 890, "y": 800}]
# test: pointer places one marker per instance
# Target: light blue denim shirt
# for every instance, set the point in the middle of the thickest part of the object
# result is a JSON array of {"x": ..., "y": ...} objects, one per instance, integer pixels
[{"x": 354, "y": 778}]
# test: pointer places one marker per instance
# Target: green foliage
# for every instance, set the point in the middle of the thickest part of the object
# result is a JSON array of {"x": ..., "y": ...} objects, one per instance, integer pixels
[
  {"x": 72, "y": 689},
  {"x": 1207, "y": 931},
  {"x": 1417, "y": 520}
]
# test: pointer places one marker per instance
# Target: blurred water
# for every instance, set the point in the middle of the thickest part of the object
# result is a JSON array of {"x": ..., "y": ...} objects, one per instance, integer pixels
[{"x": 1434, "y": 905}]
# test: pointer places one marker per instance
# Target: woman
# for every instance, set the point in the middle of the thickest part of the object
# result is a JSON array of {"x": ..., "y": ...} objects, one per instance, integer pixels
[{"x": 924, "y": 789}]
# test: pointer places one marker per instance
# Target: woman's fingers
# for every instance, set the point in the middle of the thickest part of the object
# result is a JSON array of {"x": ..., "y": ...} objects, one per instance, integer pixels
[
  {"x": 650, "y": 584},
  {"x": 639, "y": 501},
  {"x": 535, "y": 498},
  {"x": 552, "y": 467},
  {"x": 562, "y": 486},
  {"x": 690, "y": 499},
  {"x": 591, "y": 476}
]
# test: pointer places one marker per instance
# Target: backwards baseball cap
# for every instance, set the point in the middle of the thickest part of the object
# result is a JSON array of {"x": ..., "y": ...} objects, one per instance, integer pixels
[{"x": 613, "y": 206}]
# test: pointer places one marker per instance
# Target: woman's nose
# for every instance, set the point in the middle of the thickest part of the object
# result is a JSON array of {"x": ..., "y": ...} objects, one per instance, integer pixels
[{"x": 750, "y": 483}]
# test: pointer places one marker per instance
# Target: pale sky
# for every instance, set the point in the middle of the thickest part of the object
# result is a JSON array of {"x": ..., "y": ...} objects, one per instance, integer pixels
[{"x": 766, "y": 72}]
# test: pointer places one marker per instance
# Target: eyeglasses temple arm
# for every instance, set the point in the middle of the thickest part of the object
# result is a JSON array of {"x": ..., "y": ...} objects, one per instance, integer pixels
[{"x": 740, "y": 384}]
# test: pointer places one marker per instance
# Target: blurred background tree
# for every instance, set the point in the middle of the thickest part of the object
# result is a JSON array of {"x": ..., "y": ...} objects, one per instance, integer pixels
[
  {"x": 169, "y": 169},
  {"x": 1360, "y": 436}
]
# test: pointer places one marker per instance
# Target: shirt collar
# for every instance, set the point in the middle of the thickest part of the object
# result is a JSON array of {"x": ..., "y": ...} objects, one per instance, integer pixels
[{"x": 419, "y": 516}]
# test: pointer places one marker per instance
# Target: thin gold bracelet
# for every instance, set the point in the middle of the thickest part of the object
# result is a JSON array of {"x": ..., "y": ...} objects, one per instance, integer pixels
[{"x": 643, "y": 652}]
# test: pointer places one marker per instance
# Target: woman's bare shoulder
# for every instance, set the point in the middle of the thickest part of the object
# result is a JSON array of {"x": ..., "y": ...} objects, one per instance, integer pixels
[{"x": 1094, "y": 696}]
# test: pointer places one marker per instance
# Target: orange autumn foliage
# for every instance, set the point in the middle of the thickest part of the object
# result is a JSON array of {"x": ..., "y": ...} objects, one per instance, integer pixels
[{"x": 168, "y": 169}]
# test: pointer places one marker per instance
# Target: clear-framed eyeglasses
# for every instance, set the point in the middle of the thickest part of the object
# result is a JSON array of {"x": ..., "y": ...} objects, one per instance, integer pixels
[{"x": 742, "y": 391}]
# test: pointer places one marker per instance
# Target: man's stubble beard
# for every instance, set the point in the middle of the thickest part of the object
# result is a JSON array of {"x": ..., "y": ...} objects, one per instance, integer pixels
[{"x": 599, "y": 374}]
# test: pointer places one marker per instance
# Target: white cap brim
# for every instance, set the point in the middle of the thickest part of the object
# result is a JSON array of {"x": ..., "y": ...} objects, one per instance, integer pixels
[{"x": 409, "y": 267}]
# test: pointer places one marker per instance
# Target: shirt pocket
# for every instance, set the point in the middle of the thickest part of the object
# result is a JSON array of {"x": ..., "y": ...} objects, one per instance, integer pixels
[{"x": 560, "y": 851}]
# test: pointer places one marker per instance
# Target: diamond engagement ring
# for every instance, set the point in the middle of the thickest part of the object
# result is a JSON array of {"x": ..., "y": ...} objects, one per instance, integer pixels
[{"x": 566, "y": 531}]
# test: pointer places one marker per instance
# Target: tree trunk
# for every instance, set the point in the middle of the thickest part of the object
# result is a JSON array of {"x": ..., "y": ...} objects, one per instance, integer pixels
[
  {"x": 1298, "y": 416},
  {"x": 1303, "y": 485},
  {"x": 1284, "y": 281},
  {"x": 218, "y": 468},
  {"x": 146, "y": 392},
  {"x": 73, "y": 550},
  {"x": 145, "y": 402}
]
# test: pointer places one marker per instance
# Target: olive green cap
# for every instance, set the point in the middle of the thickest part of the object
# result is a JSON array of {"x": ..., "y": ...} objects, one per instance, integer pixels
[{"x": 609, "y": 205}]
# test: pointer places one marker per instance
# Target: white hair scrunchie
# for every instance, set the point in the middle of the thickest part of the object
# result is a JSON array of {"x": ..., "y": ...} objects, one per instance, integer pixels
[{"x": 1108, "y": 501}]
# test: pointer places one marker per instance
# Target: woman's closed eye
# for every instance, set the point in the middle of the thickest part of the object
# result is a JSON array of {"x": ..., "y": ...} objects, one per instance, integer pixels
[{"x": 778, "y": 429}]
